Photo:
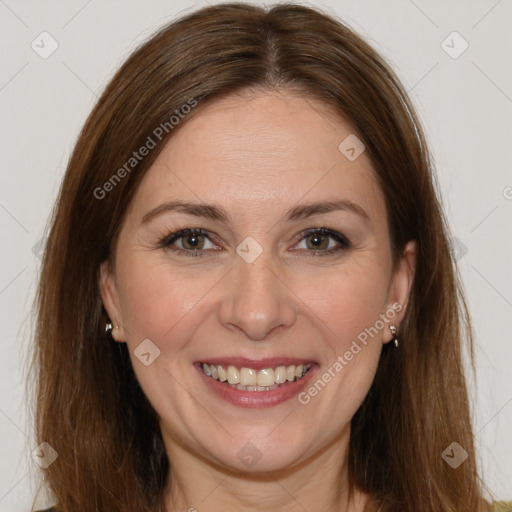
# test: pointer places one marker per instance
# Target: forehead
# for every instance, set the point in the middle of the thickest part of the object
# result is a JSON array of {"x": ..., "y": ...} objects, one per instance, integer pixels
[{"x": 259, "y": 153}]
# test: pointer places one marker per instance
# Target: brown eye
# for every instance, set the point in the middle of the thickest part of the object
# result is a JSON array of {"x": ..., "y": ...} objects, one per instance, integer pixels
[
  {"x": 323, "y": 241},
  {"x": 193, "y": 241},
  {"x": 317, "y": 241},
  {"x": 189, "y": 242}
]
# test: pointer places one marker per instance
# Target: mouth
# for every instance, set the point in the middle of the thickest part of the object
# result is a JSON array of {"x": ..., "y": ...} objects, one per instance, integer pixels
[
  {"x": 251, "y": 383},
  {"x": 251, "y": 379}
]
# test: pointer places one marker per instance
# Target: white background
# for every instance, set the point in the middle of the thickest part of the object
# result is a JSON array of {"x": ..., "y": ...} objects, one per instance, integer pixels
[{"x": 465, "y": 105}]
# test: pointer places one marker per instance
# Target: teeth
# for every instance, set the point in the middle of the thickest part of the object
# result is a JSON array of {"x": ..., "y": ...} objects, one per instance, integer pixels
[
  {"x": 222, "y": 373},
  {"x": 233, "y": 375},
  {"x": 248, "y": 379},
  {"x": 280, "y": 374},
  {"x": 266, "y": 377},
  {"x": 254, "y": 388}
]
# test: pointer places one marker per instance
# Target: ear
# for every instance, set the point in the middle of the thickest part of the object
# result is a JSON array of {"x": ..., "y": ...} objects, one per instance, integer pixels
[
  {"x": 401, "y": 286},
  {"x": 110, "y": 299}
]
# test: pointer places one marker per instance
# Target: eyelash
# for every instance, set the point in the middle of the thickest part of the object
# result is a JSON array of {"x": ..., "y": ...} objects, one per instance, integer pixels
[{"x": 343, "y": 242}]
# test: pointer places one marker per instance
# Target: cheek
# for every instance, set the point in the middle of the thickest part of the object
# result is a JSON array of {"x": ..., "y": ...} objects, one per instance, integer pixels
[
  {"x": 348, "y": 301},
  {"x": 154, "y": 300},
  {"x": 350, "y": 306}
]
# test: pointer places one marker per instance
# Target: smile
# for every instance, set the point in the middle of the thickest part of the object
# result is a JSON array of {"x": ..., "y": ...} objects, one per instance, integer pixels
[
  {"x": 256, "y": 383},
  {"x": 250, "y": 379}
]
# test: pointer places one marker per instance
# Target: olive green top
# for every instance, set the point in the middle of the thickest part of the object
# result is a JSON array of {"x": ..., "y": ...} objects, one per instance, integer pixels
[{"x": 502, "y": 506}]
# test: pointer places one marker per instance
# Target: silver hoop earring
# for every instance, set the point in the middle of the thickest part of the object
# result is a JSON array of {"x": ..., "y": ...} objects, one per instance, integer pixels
[
  {"x": 393, "y": 331},
  {"x": 108, "y": 330}
]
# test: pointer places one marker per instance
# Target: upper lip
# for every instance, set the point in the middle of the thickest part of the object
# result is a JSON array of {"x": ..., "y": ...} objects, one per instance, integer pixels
[{"x": 256, "y": 364}]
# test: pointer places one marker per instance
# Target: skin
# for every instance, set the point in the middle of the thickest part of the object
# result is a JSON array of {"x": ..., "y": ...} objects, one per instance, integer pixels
[{"x": 257, "y": 154}]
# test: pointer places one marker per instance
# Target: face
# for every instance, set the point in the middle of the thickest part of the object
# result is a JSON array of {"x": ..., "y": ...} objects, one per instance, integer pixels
[{"x": 260, "y": 283}]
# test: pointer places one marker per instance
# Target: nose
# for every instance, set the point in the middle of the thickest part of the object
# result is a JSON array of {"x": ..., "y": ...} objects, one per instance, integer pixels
[{"x": 256, "y": 299}]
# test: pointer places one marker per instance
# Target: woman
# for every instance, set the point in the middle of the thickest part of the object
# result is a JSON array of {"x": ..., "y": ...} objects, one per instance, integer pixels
[{"x": 248, "y": 299}]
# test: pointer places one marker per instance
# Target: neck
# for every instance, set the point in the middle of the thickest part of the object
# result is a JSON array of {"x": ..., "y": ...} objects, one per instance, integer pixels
[{"x": 318, "y": 483}]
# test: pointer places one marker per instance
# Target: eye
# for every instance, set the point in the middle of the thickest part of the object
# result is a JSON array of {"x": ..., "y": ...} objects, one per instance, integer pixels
[
  {"x": 195, "y": 242},
  {"x": 318, "y": 241},
  {"x": 190, "y": 242}
]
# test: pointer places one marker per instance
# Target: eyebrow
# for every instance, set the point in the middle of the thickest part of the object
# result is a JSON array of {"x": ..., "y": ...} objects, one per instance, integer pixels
[{"x": 217, "y": 213}]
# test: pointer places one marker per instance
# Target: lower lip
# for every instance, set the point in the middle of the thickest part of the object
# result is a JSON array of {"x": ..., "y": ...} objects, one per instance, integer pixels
[{"x": 254, "y": 399}]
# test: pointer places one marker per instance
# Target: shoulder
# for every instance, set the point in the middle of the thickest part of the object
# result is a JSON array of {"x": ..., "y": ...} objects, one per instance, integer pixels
[{"x": 501, "y": 506}]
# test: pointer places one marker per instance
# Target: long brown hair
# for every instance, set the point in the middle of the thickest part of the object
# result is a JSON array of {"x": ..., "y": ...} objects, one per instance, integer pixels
[{"x": 90, "y": 408}]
